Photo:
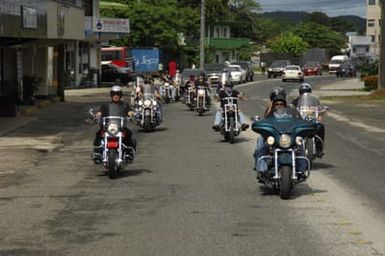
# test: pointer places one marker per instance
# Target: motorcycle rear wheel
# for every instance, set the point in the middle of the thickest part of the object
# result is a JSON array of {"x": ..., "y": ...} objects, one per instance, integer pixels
[
  {"x": 112, "y": 167},
  {"x": 285, "y": 183}
]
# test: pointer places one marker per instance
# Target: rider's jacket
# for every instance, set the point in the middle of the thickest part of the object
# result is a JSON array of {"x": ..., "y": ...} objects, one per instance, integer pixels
[{"x": 223, "y": 94}]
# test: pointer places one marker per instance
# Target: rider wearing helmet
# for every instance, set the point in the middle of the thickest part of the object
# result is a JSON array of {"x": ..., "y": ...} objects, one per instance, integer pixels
[
  {"x": 303, "y": 88},
  {"x": 202, "y": 82},
  {"x": 278, "y": 103},
  {"x": 116, "y": 107},
  {"x": 306, "y": 88},
  {"x": 228, "y": 91},
  {"x": 276, "y": 93}
]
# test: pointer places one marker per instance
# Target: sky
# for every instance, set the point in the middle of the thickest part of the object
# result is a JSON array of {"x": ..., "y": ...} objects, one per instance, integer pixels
[{"x": 331, "y": 7}]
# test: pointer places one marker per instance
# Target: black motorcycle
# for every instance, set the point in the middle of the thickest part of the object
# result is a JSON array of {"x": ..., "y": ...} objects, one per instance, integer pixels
[{"x": 230, "y": 127}]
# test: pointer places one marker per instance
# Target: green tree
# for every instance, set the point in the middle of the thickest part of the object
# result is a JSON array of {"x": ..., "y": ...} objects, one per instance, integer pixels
[
  {"x": 318, "y": 36},
  {"x": 289, "y": 43}
]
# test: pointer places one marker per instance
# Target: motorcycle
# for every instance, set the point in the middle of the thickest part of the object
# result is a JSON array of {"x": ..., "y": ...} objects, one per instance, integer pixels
[
  {"x": 284, "y": 135},
  {"x": 230, "y": 127},
  {"x": 201, "y": 100},
  {"x": 166, "y": 91},
  {"x": 190, "y": 98},
  {"x": 146, "y": 112},
  {"x": 177, "y": 91},
  {"x": 115, "y": 155},
  {"x": 310, "y": 109}
]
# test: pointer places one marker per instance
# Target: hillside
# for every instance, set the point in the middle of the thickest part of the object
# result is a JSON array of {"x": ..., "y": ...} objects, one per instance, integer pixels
[{"x": 297, "y": 17}]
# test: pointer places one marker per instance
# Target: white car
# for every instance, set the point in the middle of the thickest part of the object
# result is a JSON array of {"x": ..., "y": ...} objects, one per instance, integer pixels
[
  {"x": 292, "y": 72},
  {"x": 237, "y": 74}
]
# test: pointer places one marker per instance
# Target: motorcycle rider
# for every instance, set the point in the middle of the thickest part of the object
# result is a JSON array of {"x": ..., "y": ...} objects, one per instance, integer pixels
[
  {"x": 150, "y": 88},
  {"x": 306, "y": 88},
  {"x": 278, "y": 103},
  {"x": 202, "y": 82},
  {"x": 228, "y": 91},
  {"x": 116, "y": 107}
]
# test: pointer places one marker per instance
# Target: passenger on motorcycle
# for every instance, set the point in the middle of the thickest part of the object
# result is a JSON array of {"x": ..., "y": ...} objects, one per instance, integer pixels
[
  {"x": 278, "y": 102},
  {"x": 116, "y": 107},
  {"x": 306, "y": 88},
  {"x": 228, "y": 91},
  {"x": 202, "y": 82}
]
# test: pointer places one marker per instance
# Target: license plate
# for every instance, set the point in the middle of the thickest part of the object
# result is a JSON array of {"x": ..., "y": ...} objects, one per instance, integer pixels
[{"x": 112, "y": 144}]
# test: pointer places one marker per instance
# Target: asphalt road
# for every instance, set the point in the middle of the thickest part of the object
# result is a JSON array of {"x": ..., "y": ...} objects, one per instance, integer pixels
[{"x": 188, "y": 192}]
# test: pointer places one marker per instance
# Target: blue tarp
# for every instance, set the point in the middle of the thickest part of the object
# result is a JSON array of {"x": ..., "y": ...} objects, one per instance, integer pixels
[{"x": 145, "y": 59}]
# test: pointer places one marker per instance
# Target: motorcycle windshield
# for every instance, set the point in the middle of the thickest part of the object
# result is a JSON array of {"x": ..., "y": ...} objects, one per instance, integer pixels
[
  {"x": 148, "y": 89},
  {"x": 309, "y": 106},
  {"x": 283, "y": 122},
  {"x": 113, "y": 123}
]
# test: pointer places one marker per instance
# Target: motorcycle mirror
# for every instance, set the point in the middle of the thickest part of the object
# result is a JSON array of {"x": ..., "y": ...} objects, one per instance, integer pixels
[{"x": 255, "y": 118}]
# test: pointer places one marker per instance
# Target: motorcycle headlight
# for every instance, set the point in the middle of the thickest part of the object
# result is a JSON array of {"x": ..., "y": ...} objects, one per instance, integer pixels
[
  {"x": 270, "y": 69},
  {"x": 154, "y": 102},
  {"x": 270, "y": 140},
  {"x": 166, "y": 84},
  {"x": 285, "y": 141},
  {"x": 147, "y": 103},
  {"x": 112, "y": 129},
  {"x": 140, "y": 102},
  {"x": 298, "y": 140},
  {"x": 201, "y": 92}
]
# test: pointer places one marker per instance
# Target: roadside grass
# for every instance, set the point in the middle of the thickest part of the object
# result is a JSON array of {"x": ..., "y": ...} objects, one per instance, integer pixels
[{"x": 377, "y": 95}]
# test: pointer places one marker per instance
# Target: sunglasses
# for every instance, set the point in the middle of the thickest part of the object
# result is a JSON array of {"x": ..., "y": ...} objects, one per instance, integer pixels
[
  {"x": 279, "y": 104},
  {"x": 116, "y": 94}
]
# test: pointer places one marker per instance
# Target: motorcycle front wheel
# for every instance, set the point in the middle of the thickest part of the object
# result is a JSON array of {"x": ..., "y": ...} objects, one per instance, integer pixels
[
  {"x": 232, "y": 131},
  {"x": 285, "y": 183},
  {"x": 112, "y": 166},
  {"x": 147, "y": 124}
]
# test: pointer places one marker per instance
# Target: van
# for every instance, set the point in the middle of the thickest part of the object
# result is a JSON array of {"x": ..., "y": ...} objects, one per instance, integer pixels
[{"x": 336, "y": 61}]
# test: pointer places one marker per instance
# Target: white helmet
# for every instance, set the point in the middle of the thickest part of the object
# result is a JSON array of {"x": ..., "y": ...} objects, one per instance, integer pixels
[{"x": 116, "y": 89}]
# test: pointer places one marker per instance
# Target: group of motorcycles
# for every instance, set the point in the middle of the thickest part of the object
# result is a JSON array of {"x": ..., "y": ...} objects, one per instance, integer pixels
[{"x": 293, "y": 145}]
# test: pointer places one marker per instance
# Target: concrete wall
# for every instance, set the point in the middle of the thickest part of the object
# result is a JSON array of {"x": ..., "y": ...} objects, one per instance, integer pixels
[{"x": 65, "y": 22}]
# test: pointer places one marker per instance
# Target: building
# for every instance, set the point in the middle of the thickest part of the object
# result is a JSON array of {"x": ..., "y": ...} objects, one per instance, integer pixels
[
  {"x": 373, "y": 18},
  {"x": 360, "y": 49},
  {"x": 221, "y": 46},
  {"x": 47, "y": 45}
]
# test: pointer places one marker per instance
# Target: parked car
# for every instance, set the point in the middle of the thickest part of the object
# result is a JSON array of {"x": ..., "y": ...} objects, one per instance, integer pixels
[
  {"x": 312, "y": 68},
  {"x": 237, "y": 74},
  {"x": 276, "y": 68},
  {"x": 214, "y": 73},
  {"x": 114, "y": 74},
  {"x": 346, "y": 70},
  {"x": 248, "y": 66},
  {"x": 292, "y": 72}
]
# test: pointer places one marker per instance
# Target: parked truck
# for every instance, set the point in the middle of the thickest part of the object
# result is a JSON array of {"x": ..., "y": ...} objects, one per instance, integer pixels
[{"x": 145, "y": 60}]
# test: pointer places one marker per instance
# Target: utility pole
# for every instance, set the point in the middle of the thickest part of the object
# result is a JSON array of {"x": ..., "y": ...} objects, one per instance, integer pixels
[
  {"x": 202, "y": 41},
  {"x": 381, "y": 64}
]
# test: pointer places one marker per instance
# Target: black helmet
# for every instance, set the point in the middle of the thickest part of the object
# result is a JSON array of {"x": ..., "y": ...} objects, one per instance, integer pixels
[
  {"x": 228, "y": 84},
  {"x": 277, "y": 92},
  {"x": 116, "y": 90},
  {"x": 304, "y": 87},
  {"x": 279, "y": 98}
]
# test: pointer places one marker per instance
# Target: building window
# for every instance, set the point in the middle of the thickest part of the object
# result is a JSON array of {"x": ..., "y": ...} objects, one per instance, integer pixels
[
  {"x": 373, "y": 38},
  {"x": 371, "y": 23},
  {"x": 224, "y": 32},
  {"x": 371, "y": 2}
]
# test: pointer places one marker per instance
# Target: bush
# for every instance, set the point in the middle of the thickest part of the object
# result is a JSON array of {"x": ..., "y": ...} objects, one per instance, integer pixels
[{"x": 371, "y": 82}]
